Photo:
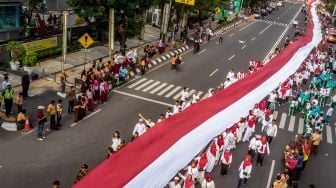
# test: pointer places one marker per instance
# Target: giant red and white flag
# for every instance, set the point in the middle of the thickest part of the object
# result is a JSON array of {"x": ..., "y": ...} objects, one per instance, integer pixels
[{"x": 154, "y": 158}]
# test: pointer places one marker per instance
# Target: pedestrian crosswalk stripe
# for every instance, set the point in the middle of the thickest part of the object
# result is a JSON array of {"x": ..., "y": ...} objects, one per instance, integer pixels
[
  {"x": 137, "y": 83},
  {"x": 173, "y": 91},
  {"x": 283, "y": 120},
  {"x": 172, "y": 53},
  {"x": 192, "y": 92},
  {"x": 158, "y": 88},
  {"x": 291, "y": 124},
  {"x": 163, "y": 58},
  {"x": 144, "y": 84},
  {"x": 137, "y": 70},
  {"x": 154, "y": 62},
  {"x": 151, "y": 86},
  {"x": 329, "y": 134},
  {"x": 205, "y": 96},
  {"x": 301, "y": 126},
  {"x": 158, "y": 60},
  {"x": 168, "y": 56},
  {"x": 165, "y": 90},
  {"x": 199, "y": 93},
  {"x": 178, "y": 95},
  {"x": 275, "y": 115}
]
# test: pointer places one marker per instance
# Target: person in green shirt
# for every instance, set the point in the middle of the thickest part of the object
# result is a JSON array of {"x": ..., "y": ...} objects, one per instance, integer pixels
[{"x": 8, "y": 95}]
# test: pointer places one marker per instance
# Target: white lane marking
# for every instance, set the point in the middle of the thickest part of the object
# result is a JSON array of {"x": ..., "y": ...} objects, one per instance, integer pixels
[
  {"x": 179, "y": 94},
  {"x": 283, "y": 120},
  {"x": 165, "y": 90},
  {"x": 0, "y": 166},
  {"x": 158, "y": 88},
  {"x": 151, "y": 86},
  {"x": 86, "y": 117},
  {"x": 231, "y": 57},
  {"x": 231, "y": 34},
  {"x": 26, "y": 133},
  {"x": 142, "y": 98},
  {"x": 281, "y": 36},
  {"x": 204, "y": 50},
  {"x": 192, "y": 92},
  {"x": 144, "y": 84},
  {"x": 173, "y": 91},
  {"x": 246, "y": 26},
  {"x": 329, "y": 134},
  {"x": 92, "y": 114},
  {"x": 213, "y": 72},
  {"x": 253, "y": 39},
  {"x": 275, "y": 115},
  {"x": 261, "y": 32},
  {"x": 199, "y": 93},
  {"x": 137, "y": 83},
  {"x": 270, "y": 174},
  {"x": 243, "y": 47},
  {"x": 205, "y": 96},
  {"x": 301, "y": 125},
  {"x": 291, "y": 124}
]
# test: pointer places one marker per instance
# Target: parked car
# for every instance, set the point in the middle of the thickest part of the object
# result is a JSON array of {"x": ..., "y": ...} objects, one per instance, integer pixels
[
  {"x": 269, "y": 10},
  {"x": 280, "y": 4},
  {"x": 256, "y": 15},
  {"x": 273, "y": 5}
]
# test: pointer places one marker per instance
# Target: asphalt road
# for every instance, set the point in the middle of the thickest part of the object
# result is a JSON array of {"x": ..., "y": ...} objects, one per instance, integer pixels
[{"x": 25, "y": 162}]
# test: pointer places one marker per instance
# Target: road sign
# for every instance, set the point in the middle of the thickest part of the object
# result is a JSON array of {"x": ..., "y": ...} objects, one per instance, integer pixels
[
  {"x": 86, "y": 40},
  {"x": 217, "y": 10},
  {"x": 188, "y": 2}
]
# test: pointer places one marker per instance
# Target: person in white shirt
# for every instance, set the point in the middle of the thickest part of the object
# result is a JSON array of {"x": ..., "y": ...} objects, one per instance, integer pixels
[
  {"x": 254, "y": 144},
  {"x": 208, "y": 182},
  {"x": 161, "y": 118},
  {"x": 242, "y": 127},
  {"x": 140, "y": 128},
  {"x": 245, "y": 170},
  {"x": 226, "y": 162},
  {"x": 212, "y": 155},
  {"x": 195, "y": 98},
  {"x": 176, "y": 107},
  {"x": 184, "y": 94},
  {"x": 230, "y": 75},
  {"x": 193, "y": 170},
  {"x": 188, "y": 181},
  {"x": 240, "y": 75},
  {"x": 176, "y": 183},
  {"x": 149, "y": 122},
  {"x": 211, "y": 92},
  {"x": 272, "y": 131},
  {"x": 169, "y": 112},
  {"x": 262, "y": 150},
  {"x": 115, "y": 141}
]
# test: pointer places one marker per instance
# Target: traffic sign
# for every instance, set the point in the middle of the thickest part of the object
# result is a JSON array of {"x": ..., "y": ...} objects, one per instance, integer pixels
[
  {"x": 217, "y": 10},
  {"x": 86, "y": 40},
  {"x": 188, "y": 2}
]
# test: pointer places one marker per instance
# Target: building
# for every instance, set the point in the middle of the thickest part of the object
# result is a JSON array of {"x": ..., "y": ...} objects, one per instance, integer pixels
[{"x": 10, "y": 19}]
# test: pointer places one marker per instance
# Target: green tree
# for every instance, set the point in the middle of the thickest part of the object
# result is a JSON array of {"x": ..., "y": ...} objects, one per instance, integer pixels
[{"x": 128, "y": 16}]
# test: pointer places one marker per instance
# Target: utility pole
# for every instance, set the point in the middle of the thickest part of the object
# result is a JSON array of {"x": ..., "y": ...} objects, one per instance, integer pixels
[
  {"x": 111, "y": 32},
  {"x": 166, "y": 13},
  {"x": 65, "y": 38}
]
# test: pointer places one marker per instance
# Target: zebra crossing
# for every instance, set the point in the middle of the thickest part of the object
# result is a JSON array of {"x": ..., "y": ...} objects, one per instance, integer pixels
[
  {"x": 272, "y": 22},
  {"x": 162, "y": 89},
  {"x": 296, "y": 125}
]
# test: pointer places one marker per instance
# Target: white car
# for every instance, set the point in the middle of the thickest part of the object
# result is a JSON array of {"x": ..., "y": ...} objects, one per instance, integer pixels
[{"x": 280, "y": 4}]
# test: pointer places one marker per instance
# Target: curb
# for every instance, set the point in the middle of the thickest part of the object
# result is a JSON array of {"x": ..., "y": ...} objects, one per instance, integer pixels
[{"x": 227, "y": 28}]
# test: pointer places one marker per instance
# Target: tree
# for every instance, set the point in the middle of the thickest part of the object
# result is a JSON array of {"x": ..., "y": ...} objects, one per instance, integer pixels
[{"x": 128, "y": 16}]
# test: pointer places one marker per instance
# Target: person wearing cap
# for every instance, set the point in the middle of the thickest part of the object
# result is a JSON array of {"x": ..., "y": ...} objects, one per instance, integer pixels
[
  {"x": 8, "y": 95},
  {"x": 140, "y": 128},
  {"x": 176, "y": 183},
  {"x": 208, "y": 182},
  {"x": 41, "y": 119},
  {"x": 82, "y": 172}
]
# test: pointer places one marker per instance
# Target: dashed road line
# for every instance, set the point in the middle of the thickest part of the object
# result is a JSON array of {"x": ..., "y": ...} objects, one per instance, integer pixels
[
  {"x": 231, "y": 57},
  {"x": 231, "y": 34},
  {"x": 246, "y": 26},
  {"x": 213, "y": 72},
  {"x": 261, "y": 32},
  {"x": 204, "y": 50},
  {"x": 253, "y": 39},
  {"x": 243, "y": 47}
]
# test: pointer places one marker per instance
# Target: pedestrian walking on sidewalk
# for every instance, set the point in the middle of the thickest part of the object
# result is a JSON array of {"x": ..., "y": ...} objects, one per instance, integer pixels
[
  {"x": 71, "y": 99},
  {"x": 25, "y": 82},
  {"x": 8, "y": 98},
  {"x": 41, "y": 119},
  {"x": 19, "y": 102},
  {"x": 220, "y": 40},
  {"x": 59, "y": 113},
  {"x": 52, "y": 114}
]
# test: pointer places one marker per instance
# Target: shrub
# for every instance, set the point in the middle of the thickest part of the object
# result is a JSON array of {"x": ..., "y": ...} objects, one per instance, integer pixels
[{"x": 30, "y": 59}]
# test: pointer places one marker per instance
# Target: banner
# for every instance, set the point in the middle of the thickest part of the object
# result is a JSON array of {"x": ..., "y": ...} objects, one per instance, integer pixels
[
  {"x": 187, "y": 2},
  {"x": 43, "y": 44}
]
